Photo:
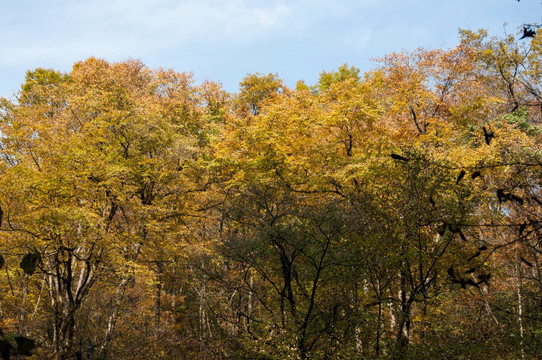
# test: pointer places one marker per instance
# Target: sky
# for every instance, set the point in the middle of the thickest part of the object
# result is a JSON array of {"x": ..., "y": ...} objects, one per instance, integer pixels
[{"x": 224, "y": 40}]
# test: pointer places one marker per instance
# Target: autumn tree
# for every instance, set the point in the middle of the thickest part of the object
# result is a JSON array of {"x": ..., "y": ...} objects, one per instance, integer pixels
[
  {"x": 103, "y": 156},
  {"x": 391, "y": 214}
]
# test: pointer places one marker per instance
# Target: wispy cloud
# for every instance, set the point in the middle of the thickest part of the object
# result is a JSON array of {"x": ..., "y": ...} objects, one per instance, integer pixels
[
  {"x": 114, "y": 28},
  {"x": 181, "y": 20}
]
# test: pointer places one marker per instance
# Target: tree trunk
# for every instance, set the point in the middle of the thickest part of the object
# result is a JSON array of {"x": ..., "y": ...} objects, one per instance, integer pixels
[
  {"x": 520, "y": 305},
  {"x": 403, "y": 327}
]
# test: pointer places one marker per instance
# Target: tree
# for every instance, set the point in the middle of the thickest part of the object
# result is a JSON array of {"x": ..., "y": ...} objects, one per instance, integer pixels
[
  {"x": 255, "y": 89},
  {"x": 102, "y": 161}
]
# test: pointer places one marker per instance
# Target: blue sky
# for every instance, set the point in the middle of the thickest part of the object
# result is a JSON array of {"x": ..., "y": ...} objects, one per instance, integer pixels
[{"x": 223, "y": 40}]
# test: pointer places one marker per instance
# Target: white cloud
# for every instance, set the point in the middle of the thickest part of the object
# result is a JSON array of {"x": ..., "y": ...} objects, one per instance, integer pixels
[
  {"x": 177, "y": 21},
  {"x": 224, "y": 37},
  {"x": 113, "y": 28}
]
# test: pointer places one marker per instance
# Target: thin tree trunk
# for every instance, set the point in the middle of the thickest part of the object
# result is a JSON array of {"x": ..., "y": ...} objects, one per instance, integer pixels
[
  {"x": 249, "y": 301},
  {"x": 403, "y": 326},
  {"x": 157, "y": 304},
  {"x": 378, "y": 329},
  {"x": 158, "y": 299},
  {"x": 112, "y": 319},
  {"x": 22, "y": 311},
  {"x": 520, "y": 305}
]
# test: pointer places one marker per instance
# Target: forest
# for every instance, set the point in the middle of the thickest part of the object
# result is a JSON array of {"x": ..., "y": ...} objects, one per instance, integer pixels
[{"x": 392, "y": 214}]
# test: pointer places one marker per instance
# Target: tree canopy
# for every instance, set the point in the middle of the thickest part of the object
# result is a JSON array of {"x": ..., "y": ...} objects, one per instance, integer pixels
[{"x": 393, "y": 214}]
